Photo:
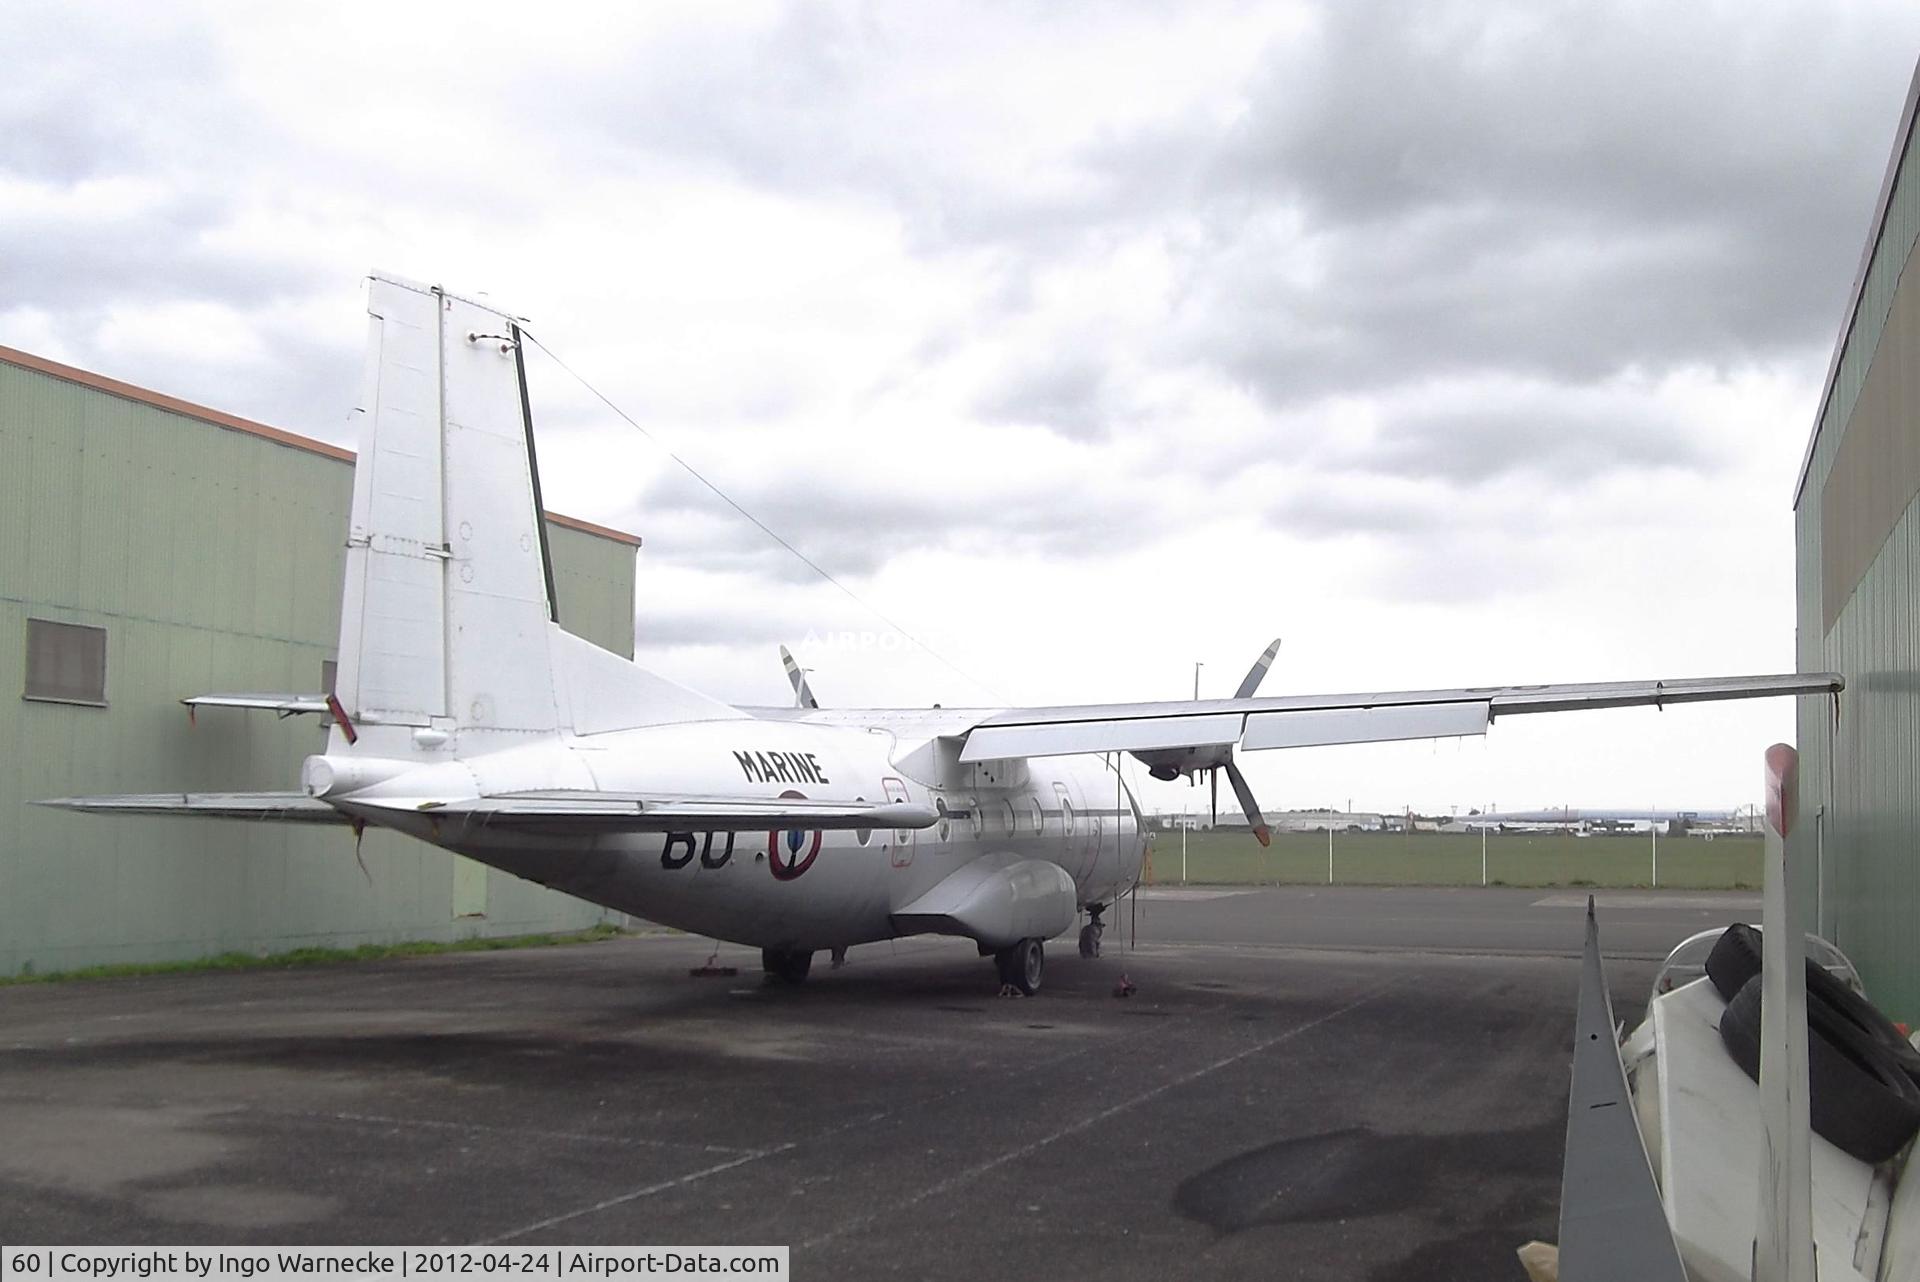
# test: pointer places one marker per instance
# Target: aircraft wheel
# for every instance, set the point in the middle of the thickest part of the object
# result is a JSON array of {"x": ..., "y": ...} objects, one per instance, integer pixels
[
  {"x": 789, "y": 966},
  {"x": 1090, "y": 939},
  {"x": 1023, "y": 965}
]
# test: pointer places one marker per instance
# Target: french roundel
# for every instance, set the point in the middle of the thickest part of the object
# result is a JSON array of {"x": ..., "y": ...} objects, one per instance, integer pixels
[{"x": 784, "y": 848}]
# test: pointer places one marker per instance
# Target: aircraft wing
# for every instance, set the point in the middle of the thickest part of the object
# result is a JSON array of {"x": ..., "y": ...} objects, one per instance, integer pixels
[
  {"x": 280, "y": 807},
  {"x": 1303, "y": 721},
  {"x": 566, "y": 811}
]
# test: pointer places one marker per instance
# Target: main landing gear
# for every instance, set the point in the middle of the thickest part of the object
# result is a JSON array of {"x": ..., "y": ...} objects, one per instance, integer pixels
[
  {"x": 786, "y": 965},
  {"x": 1091, "y": 932},
  {"x": 1021, "y": 968}
]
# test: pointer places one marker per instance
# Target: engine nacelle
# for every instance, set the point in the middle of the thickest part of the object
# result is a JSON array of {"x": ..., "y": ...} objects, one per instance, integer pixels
[{"x": 1171, "y": 763}]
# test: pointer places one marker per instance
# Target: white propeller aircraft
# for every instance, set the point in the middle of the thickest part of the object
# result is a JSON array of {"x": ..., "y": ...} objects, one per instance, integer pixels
[{"x": 465, "y": 716}]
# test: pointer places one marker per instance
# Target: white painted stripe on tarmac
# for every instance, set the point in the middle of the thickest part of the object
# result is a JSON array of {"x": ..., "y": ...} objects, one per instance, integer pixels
[
  {"x": 1654, "y": 899},
  {"x": 1094, "y": 1119},
  {"x": 1187, "y": 892},
  {"x": 645, "y": 1191}
]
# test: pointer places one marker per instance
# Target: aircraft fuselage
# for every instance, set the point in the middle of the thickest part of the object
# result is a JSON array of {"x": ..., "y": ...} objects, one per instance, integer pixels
[{"x": 797, "y": 890}]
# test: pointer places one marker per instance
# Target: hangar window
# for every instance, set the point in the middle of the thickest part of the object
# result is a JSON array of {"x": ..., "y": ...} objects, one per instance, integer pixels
[{"x": 66, "y": 663}]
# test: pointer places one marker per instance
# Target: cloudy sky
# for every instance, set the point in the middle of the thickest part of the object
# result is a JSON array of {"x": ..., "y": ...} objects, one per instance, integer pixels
[{"x": 1455, "y": 343}]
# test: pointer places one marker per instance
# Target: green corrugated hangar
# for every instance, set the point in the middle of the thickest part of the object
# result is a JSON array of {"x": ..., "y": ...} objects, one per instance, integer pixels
[
  {"x": 151, "y": 550},
  {"x": 1857, "y": 536}
]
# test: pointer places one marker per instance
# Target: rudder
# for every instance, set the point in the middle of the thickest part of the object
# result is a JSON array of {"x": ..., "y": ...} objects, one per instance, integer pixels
[{"x": 445, "y": 615}]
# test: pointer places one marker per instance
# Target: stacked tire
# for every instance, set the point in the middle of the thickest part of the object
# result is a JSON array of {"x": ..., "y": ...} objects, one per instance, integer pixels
[{"x": 1863, "y": 1077}]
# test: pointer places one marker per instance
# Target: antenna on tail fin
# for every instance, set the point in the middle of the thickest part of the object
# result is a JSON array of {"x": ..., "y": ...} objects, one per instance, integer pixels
[{"x": 533, "y": 468}]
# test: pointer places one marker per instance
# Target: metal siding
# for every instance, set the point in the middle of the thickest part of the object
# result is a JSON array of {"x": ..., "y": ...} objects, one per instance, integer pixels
[
  {"x": 594, "y": 578},
  {"x": 214, "y": 560},
  {"x": 1896, "y": 240},
  {"x": 1864, "y": 772},
  {"x": 1875, "y": 464}
]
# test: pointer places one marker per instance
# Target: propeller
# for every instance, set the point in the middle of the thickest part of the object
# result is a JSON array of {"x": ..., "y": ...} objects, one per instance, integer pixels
[
  {"x": 1258, "y": 672},
  {"x": 1171, "y": 763},
  {"x": 1255, "y": 819},
  {"x": 802, "y": 692},
  {"x": 1247, "y": 803}
]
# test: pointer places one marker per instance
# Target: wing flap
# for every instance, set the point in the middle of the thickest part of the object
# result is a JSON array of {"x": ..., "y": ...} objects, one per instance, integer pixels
[
  {"x": 1363, "y": 725},
  {"x": 991, "y": 742},
  {"x": 275, "y": 807}
]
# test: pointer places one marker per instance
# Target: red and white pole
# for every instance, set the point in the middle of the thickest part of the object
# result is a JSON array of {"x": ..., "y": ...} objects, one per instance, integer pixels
[{"x": 1783, "y": 1243}]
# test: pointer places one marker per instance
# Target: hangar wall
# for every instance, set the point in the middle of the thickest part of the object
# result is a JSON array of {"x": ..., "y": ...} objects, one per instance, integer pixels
[
  {"x": 1857, "y": 542},
  {"x": 211, "y": 551}
]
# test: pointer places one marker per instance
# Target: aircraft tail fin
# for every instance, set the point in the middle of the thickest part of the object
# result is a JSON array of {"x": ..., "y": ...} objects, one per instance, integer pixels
[{"x": 448, "y": 622}]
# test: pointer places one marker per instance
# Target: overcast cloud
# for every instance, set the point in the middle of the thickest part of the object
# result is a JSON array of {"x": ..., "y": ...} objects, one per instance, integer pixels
[{"x": 1459, "y": 342}]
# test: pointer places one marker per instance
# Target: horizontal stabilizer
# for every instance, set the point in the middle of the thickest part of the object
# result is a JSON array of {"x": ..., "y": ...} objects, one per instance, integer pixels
[
  {"x": 286, "y": 705},
  {"x": 275, "y": 807},
  {"x": 563, "y": 811}
]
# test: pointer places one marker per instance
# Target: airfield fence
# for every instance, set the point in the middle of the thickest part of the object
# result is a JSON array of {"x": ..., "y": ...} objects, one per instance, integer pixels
[{"x": 1229, "y": 857}]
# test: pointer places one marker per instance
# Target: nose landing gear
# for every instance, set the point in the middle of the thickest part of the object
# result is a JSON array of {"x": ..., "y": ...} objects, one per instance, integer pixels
[{"x": 1091, "y": 932}]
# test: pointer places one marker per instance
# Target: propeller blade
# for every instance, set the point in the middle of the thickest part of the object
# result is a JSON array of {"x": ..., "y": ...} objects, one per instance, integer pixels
[
  {"x": 1258, "y": 672},
  {"x": 802, "y": 693},
  {"x": 1255, "y": 819}
]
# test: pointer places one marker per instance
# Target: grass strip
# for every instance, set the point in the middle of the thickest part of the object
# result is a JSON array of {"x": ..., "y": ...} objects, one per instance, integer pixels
[{"x": 317, "y": 956}]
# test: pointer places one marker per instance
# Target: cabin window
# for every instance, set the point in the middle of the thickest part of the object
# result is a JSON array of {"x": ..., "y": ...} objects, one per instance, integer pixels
[
  {"x": 1066, "y": 815},
  {"x": 1039, "y": 818},
  {"x": 66, "y": 663}
]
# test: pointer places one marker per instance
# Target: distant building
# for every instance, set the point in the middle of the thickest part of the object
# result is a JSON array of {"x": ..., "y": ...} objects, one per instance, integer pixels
[
  {"x": 1326, "y": 820},
  {"x": 1289, "y": 821}
]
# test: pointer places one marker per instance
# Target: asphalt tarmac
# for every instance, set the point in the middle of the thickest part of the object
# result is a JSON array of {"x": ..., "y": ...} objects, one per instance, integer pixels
[{"x": 1308, "y": 1083}]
